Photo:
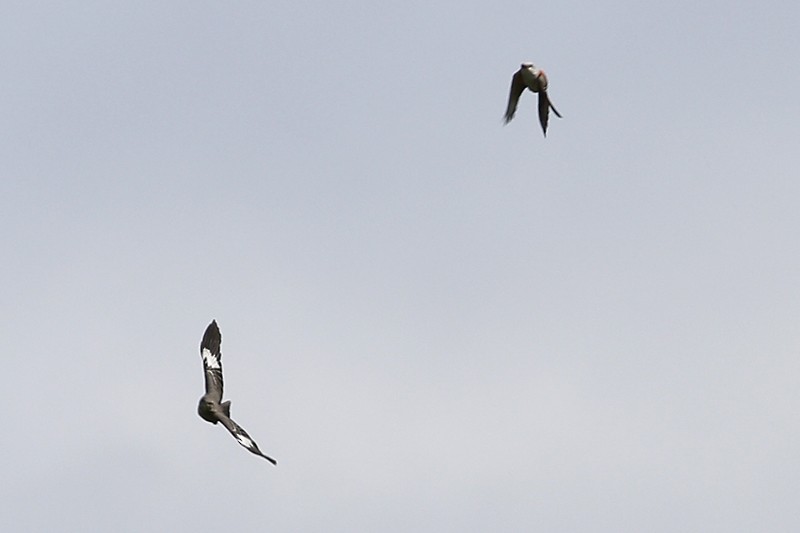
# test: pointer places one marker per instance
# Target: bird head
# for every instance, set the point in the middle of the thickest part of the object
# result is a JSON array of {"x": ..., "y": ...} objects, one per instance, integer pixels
[{"x": 537, "y": 72}]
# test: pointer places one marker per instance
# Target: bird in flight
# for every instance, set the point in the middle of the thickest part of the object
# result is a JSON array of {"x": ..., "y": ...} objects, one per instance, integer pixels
[
  {"x": 211, "y": 407},
  {"x": 534, "y": 79}
]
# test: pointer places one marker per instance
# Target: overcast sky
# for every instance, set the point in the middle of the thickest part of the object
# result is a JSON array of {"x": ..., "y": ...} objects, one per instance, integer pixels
[{"x": 433, "y": 322}]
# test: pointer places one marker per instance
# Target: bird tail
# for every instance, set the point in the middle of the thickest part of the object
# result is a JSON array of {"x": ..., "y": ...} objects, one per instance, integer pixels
[{"x": 226, "y": 408}]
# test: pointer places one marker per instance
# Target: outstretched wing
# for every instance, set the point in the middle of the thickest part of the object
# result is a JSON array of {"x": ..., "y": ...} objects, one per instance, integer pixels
[
  {"x": 243, "y": 438},
  {"x": 212, "y": 360},
  {"x": 517, "y": 86}
]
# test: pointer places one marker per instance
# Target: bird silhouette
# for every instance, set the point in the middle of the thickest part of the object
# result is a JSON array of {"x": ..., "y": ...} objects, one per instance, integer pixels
[
  {"x": 535, "y": 80},
  {"x": 211, "y": 407}
]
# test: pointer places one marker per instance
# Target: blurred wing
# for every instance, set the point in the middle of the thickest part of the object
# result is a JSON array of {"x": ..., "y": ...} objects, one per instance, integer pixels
[
  {"x": 212, "y": 360},
  {"x": 517, "y": 86},
  {"x": 544, "y": 111},
  {"x": 554, "y": 108},
  {"x": 243, "y": 438}
]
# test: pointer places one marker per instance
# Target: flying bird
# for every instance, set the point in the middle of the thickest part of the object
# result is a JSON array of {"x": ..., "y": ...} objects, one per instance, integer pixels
[
  {"x": 211, "y": 407},
  {"x": 534, "y": 79}
]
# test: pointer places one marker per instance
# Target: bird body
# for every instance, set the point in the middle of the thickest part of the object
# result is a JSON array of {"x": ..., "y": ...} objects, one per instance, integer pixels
[
  {"x": 211, "y": 408},
  {"x": 535, "y": 80}
]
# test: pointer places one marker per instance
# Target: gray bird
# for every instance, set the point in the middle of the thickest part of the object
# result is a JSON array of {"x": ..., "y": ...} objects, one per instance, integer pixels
[
  {"x": 534, "y": 79},
  {"x": 211, "y": 407}
]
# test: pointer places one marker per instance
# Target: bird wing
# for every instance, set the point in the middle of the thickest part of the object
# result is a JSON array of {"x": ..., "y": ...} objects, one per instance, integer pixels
[
  {"x": 243, "y": 438},
  {"x": 517, "y": 86},
  {"x": 212, "y": 360},
  {"x": 554, "y": 108},
  {"x": 544, "y": 110}
]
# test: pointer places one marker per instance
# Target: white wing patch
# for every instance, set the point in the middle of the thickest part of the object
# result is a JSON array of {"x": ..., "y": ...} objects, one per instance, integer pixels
[
  {"x": 211, "y": 360},
  {"x": 244, "y": 441}
]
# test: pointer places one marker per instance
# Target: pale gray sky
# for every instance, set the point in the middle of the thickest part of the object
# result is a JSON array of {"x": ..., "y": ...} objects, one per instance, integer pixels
[{"x": 433, "y": 322}]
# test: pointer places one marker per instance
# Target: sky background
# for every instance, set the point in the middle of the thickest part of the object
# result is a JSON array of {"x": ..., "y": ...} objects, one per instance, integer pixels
[{"x": 433, "y": 322}]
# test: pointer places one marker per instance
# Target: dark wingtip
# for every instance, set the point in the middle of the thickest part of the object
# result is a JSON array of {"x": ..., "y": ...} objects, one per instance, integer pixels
[
  {"x": 212, "y": 338},
  {"x": 270, "y": 459}
]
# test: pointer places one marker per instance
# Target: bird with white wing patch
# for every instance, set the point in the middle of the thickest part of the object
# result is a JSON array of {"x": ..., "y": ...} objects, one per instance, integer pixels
[{"x": 211, "y": 408}]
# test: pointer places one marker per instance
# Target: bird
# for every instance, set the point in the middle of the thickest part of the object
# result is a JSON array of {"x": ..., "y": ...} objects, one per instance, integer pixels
[
  {"x": 534, "y": 79},
  {"x": 211, "y": 407}
]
